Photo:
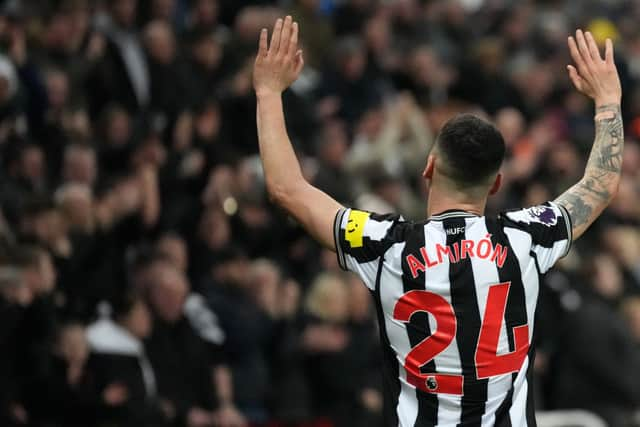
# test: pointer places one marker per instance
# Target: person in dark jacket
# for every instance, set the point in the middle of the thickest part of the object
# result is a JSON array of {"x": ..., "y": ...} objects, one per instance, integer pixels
[
  {"x": 179, "y": 357},
  {"x": 598, "y": 364},
  {"x": 120, "y": 367},
  {"x": 64, "y": 396}
]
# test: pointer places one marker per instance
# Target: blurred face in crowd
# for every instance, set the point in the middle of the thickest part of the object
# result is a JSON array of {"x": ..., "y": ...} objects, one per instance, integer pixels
[
  {"x": 334, "y": 143},
  {"x": 207, "y": 52},
  {"x": 353, "y": 64},
  {"x": 378, "y": 34},
  {"x": 32, "y": 164},
  {"x": 118, "y": 128},
  {"x": 72, "y": 344},
  {"x": 208, "y": 122},
  {"x": 76, "y": 203},
  {"x": 59, "y": 32},
  {"x": 607, "y": 279},
  {"x": 138, "y": 320},
  {"x": 206, "y": 12},
  {"x": 328, "y": 298},
  {"x": 168, "y": 289},
  {"x": 13, "y": 287},
  {"x": 80, "y": 165},
  {"x": 174, "y": 248},
  {"x": 371, "y": 123},
  {"x": 265, "y": 279},
  {"x": 124, "y": 12},
  {"x": 215, "y": 229},
  {"x": 511, "y": 124},
  {"x": 564, "y": 160},
  {"x": 160, "y": 42},
  {"x": 57, "y": 89}
]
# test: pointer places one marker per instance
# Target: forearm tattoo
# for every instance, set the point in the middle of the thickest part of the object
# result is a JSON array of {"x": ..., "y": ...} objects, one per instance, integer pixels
[{"x": 585, "y": 200}]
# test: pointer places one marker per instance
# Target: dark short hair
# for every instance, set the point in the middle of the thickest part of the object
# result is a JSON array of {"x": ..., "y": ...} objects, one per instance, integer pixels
[{"x": 472, "y": 150}]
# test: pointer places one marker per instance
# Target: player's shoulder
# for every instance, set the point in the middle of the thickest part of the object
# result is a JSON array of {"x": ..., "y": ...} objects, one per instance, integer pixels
[
  {"x": 547, "y": 223},
  {"x": 358, "y": 224},
  {"x": 546, "y": 214}
]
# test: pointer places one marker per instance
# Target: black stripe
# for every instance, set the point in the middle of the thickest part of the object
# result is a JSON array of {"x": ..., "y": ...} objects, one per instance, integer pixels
[
  {"x": 569, "y": 225},
  {"x": 531, "y": 406},
  {"x": 502, "y": 414},
  {"x": 516, "y": 311},
  {"x": 418, "y": 328},
  {"x": 465, "y": 305},
  {"x": 337, "y": 224},
  {"x": 390, "y": 367}
]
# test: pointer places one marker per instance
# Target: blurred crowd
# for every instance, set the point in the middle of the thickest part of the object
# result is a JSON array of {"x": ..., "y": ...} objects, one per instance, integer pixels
[{"x": 146, "y": 280}]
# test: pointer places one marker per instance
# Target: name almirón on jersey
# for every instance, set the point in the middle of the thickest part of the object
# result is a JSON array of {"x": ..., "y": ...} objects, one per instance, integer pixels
[{"x": 456, "y": 297}]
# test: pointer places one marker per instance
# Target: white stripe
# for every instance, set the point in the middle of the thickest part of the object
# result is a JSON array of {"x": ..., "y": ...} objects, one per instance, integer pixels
[
  {"x": 485, "y": 275},
  {"x": 391, "y": 290},
  {"x": 376, "y": 230},
  {"x": 367, "y": 271},
  {"x": 519, "y": 241},
  {"x": 447, "y": 362},
  {"x": 518, "y": 411}
]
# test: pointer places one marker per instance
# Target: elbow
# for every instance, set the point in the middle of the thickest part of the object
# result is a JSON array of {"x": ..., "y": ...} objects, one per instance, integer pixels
[
  {"x": 279, "y": 194},
  {"x": 613, "y": 188}
]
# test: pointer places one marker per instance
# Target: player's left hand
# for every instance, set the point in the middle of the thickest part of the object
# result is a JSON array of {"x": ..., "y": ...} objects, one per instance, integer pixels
[{"x": 278, "y": 64}]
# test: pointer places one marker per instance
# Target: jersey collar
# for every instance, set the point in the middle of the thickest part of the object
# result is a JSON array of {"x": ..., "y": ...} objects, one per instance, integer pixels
[{"x": 452, "y": 213}]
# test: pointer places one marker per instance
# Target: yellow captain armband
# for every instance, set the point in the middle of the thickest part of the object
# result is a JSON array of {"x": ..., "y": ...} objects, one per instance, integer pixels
[{"x": 354, "y": 229}]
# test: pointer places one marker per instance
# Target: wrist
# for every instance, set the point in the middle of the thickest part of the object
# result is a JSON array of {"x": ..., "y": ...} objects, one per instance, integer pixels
[
  {"x": 607, "y": 102},
  {"x": 267, "y": 93}
]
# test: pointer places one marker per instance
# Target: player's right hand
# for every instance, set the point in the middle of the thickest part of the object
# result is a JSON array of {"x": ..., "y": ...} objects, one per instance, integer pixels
[
  {"x": 592, "y": 75},
  {"x": 278, "y": 64}
]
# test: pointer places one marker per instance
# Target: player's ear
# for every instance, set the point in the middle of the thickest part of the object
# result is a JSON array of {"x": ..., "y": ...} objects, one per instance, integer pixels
[
  {"x": 496, "y": 184},
  {"x": 427, "y": 173}
]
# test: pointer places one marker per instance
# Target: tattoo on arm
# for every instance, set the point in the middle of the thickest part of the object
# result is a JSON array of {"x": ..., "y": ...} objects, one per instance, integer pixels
[{"x": 588, "y": 198}]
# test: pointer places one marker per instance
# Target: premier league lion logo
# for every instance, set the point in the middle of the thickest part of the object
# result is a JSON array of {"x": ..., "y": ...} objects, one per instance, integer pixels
[{"x": 544, "y": 215}]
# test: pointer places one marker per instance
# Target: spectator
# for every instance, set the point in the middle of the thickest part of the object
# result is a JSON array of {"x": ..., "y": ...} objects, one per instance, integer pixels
[
  {"x": 178, "y": 355},
  {"x": 128, "y": 161},
  {"x": 598, "y": 352},
  {"x": 120, "y": 368}
]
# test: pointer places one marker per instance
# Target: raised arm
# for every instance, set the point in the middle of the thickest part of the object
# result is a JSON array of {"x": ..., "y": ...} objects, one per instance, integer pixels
[
  {"x": 277, "y": 66},
  {"x": 598, "y": 79}
]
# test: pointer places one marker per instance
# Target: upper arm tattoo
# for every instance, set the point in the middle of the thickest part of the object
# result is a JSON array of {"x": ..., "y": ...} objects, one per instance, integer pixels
[{"x": 585, "y": 200}]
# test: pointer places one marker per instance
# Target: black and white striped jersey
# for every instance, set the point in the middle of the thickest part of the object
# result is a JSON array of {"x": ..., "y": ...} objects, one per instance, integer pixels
[{"x": 456, "y": 299}]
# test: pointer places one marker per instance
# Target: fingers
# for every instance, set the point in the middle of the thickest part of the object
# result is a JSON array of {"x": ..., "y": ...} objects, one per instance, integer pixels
[
  {"x": 577, "y": 57},
  {"x": 584, "y": 49},
  {"x": 608, "y": 52},
  {"x": 299, "y": 61},
  {"x": 575, "y": 77},
  {"x": 593, "y": 46},
  {"x": 275, "y": 37},
  {"x": 285, "y": 37},
  {"x": 262, "y": 45},
  {"x": 293, "y": 41}
]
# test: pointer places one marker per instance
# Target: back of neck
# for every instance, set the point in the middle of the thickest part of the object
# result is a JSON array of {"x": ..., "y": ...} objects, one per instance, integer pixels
[{"x": 443, "y": 199}]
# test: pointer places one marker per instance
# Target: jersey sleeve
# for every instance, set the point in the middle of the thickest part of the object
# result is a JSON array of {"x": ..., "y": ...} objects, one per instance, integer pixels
[
  {"x": 549, "y": 225},
  {"x": 361, "y": 238}
]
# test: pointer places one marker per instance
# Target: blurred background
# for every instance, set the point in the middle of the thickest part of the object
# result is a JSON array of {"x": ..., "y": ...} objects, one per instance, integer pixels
[{"x": 145, "y": 280}]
